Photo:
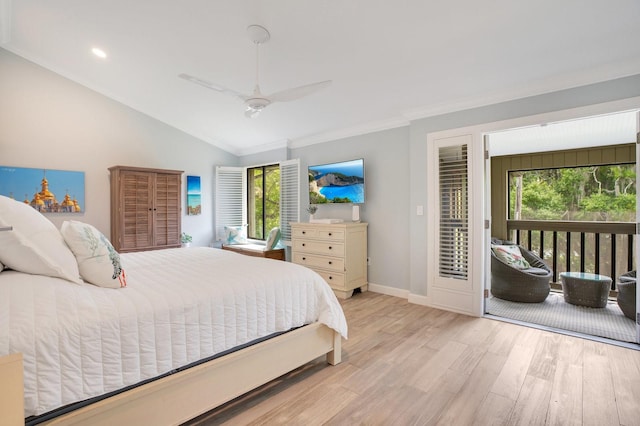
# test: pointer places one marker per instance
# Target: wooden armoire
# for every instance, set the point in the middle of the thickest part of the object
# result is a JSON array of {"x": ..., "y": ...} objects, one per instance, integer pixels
[{"x": 145, "y": 208}]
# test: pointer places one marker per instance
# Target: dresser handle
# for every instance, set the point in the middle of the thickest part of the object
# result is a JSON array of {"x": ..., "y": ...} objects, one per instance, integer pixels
[
  {"x": 329, "y": 233},
  {"x": 330, "y": 262},
  {"x": 330, "y": 277},
  {"x": 303, "y": 244},
  {"x": 330, "y": 247},
  {"x": 304, "y": 258},
  {"x": 304, "y": 232}
]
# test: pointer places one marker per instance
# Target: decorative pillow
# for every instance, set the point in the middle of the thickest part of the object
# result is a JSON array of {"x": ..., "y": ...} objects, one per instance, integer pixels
[
  {"x": 511, "y": 255},
  {"x": 272, "y": 239},
  {"x": 98, "y": 261},
  {"x": 35, "y": 245},
  {"x": 235, "y": 234}
]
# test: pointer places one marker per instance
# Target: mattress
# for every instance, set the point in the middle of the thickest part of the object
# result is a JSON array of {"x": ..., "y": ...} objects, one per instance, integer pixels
[{"x": 179, "y": 306}]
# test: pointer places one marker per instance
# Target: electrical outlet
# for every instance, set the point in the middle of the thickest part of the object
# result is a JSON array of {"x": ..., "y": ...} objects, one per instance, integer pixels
[{"x": 368, "y": 261}]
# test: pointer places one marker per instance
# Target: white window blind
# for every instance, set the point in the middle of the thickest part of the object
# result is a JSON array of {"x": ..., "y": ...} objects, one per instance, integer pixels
[
  {"x": 289, "y": 197},
  {"x": 230, "y": 198},
  {"x": 454, "y": 215}
]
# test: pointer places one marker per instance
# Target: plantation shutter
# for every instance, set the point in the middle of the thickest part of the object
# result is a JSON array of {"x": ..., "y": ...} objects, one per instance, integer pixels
[
  {"x": 289, "y": 197},
  {"x": 230, "y": 198},
  {"x": 453, "y": 188}
]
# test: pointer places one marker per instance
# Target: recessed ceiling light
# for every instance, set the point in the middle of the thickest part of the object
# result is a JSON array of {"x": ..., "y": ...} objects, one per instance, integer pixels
[{"x": 99, "y": 52}]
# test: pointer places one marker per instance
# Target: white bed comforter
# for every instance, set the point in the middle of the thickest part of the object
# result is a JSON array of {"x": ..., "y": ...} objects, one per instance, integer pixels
[{"x": 180, "y": 306}]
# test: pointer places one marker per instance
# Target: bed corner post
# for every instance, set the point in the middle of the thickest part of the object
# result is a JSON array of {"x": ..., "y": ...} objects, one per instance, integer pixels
[{"x": 335, "y": 356}]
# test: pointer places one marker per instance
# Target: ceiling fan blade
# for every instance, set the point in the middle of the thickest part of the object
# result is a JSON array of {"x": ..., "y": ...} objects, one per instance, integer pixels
[
  {"x": 213, "y": 86},
  {"x": 298, "y": 92}
]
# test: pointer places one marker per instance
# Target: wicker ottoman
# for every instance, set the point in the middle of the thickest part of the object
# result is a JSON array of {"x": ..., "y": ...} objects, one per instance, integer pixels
[{"x": 585, "y": 289}]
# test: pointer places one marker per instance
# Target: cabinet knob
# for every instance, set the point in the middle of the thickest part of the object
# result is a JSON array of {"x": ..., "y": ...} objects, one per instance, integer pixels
[
  {"x": 330, "y": 262},
  {"x": 330, "y": 247},
  {"x": 329, "y": 233},
  {"x": 303, "y": 244},
  {"x": 330, "y": 277},
  {"x": 304, "y": 258},
  {"x": 304, "y": 232}
]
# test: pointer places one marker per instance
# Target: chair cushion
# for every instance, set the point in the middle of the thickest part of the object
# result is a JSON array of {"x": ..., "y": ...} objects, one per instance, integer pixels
[
  {"x": 536, "y": 271},
  {"x": 511, "y": 255}
]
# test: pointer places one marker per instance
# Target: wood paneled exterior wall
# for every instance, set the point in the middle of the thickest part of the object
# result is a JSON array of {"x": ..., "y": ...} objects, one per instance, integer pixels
[{"x": 502, "y": 165}]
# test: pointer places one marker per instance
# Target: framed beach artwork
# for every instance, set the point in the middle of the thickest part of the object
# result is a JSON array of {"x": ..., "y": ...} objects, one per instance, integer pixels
[
  {"x": 46, "y": 190},
  {"x": 194, "y": 196}
]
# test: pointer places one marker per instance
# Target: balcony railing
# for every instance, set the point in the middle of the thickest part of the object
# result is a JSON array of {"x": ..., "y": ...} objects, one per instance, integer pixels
[{"x": 599, "y": 247}]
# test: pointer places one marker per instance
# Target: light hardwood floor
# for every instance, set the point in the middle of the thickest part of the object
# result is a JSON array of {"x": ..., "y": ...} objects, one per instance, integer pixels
[{"x": 406, "y": 364}]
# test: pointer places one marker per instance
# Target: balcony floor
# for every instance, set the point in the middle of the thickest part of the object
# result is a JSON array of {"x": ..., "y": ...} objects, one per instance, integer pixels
[{"x": 554, "y": 312}]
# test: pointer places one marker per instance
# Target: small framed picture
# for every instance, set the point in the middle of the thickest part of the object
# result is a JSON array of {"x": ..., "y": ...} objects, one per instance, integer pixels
[{"x": 194, "y": 196}]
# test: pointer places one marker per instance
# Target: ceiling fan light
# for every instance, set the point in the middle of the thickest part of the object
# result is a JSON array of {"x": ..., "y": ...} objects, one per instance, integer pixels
[{"x": 99, "y": 52}]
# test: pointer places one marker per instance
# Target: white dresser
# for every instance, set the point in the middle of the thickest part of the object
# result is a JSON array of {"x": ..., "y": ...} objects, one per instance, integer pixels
[{"x": 337, "y": 251}]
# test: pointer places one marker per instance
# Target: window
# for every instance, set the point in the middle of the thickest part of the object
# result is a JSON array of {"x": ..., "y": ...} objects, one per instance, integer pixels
[
  {"x": 263, "y": 200},
  {"x": 261, "y": 197},
  {"x": 594, "y": 193}
]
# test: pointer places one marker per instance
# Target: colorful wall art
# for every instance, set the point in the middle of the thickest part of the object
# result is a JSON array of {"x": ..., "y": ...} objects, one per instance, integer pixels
[
  {"x": 194, "y": 197},
  {"x": 46, "y": 190}
]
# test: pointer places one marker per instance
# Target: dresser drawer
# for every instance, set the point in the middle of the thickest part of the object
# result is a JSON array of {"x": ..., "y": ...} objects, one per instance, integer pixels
[
  {"x": 304, "y": 232},
  {"x": 323, "y": 262},
  {"x": 319, "y": 247},
  {"x": 331, "y": 234},
  {"x": 334, "y": 279}
]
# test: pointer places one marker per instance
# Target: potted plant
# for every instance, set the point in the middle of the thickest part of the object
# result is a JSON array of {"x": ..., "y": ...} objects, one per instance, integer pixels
[
  {"x": 186, "y": 239},
  {"x": 312, "y": 209}
]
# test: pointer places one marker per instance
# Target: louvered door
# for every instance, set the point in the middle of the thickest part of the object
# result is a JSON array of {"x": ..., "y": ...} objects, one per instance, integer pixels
[
  {"x": 145, "y": 208},
  {"x": 137, "y": 214},
  {"x": 166, "y": 210},
  {"x": 451, "y": 283}
]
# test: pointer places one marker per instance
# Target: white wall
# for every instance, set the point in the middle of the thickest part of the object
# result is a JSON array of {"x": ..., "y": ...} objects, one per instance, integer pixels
[
  {"x": 386, "y": 155},
  {"x": 47, "y": 121}
]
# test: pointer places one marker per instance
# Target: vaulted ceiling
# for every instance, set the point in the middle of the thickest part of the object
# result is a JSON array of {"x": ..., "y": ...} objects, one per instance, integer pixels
[{"x": 389, "y": 61}]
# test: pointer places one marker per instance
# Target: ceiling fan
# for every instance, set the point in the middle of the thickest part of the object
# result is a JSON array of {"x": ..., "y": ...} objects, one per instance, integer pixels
[{"x": 257, "y": 101}]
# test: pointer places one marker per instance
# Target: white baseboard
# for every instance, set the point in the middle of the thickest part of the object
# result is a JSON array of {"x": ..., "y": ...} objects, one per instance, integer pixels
[
  {"x": 401, "y": 293},
  {"x": 418, "y": 299},
  {"x": 389, "y": 291}
]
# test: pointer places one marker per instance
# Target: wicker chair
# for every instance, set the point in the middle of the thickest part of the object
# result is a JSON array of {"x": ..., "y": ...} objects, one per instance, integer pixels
[
  {"x": 626, "y": 286},
  {"x": 520, "y": 285}
]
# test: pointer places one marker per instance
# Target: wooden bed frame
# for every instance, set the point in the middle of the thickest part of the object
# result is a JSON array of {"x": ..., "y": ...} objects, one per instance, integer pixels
[{"x": 186, "y": 394}]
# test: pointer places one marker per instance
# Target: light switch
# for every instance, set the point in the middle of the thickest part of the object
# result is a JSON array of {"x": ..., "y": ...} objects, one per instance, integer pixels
[{"x": 420, "y": 211}]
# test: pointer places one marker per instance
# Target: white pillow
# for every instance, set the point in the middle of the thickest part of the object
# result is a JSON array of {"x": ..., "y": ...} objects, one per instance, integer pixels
[
  {"x": 510, "y": 255},
  {"x": 272, "y": 239},
  {"x": 236, "y": 235},
  {"x": 35, "y": 245},
  {"x": 98, "y": 261}
]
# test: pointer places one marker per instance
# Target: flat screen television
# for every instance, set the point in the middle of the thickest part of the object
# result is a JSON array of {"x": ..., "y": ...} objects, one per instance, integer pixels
[{"x": 341, "y": 182}]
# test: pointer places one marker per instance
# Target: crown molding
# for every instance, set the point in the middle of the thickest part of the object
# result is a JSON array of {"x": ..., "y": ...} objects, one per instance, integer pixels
[
  {"x": 542, "y": 87},
  {"x": 280, "y": 144},
  {"x": 371, "y": 127}
]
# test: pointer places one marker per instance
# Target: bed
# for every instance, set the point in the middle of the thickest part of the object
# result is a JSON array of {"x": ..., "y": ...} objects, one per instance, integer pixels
[{"x": 235, "y": 321}]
